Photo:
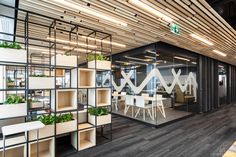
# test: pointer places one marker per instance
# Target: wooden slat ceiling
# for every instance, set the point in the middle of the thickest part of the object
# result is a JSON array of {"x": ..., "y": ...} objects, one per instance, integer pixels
[{"x": 193, "y": 16}]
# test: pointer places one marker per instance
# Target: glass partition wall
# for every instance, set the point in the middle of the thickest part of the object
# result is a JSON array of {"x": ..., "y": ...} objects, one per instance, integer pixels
[{"x": 154, "y": 85}]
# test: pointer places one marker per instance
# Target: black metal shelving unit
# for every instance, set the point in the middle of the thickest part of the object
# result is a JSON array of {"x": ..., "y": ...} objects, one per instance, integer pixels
[{"x": 79, "y": 37}]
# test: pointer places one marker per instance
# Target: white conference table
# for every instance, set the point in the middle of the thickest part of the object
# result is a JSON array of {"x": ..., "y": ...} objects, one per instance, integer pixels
[
  {"x": 146, "y": 98},
  {"x": 117, "y": 95},
  {"x": 20, "y": 128},
  {"x": 154, "y": 104}
]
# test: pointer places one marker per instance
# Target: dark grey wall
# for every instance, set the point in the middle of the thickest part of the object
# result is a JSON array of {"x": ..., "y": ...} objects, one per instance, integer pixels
[{"x": 208, "y": 84}]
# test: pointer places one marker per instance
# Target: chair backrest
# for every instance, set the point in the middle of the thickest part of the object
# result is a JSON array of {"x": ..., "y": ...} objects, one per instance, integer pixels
[
  {"x": 159, "y": 102},
  {"x": 140, "y": 102},
  {"x": 145, "y": 95},
  {"x": 123, "y": 96},
  {"x": 129, "y": 100},
  {"x": 123, "y": 93}
]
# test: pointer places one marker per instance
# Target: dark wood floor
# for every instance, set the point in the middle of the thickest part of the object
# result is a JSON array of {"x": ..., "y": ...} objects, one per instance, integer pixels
[{"x": 203, "y": 135}]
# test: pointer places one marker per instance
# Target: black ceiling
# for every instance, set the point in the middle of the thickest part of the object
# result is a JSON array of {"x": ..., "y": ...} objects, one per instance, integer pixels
[{"x": 227, "y": 9}]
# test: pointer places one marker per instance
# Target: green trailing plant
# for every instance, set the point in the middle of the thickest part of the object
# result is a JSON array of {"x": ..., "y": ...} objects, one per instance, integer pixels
[
  {"x": 10, "y": 81},
  {"x": 14, "y": 99},
  {"x": 64, "y": 118},
  {"x": 91, "y": 57},
  {"x": 99, "y": 111},
  {"x": 47, "y": 119},
  {"x": 12, "y": 45},
  {"x": 51, "y": 119}
]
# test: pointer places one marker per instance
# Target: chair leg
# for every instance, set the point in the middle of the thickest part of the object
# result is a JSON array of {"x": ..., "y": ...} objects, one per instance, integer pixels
[
  {"x": 132, "y": 108},
  {"x": 144, "y": 114},
  {"x": 138, "y": 111},
  {"x": 163, "y": 110},
  {"x": 150, "y": 114},
  {"x": 126, "y": 109},
  {"x": 116, "y": 105}
]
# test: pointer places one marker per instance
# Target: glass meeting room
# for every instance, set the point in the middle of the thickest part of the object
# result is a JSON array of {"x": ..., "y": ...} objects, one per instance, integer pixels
[{"x": 154, "y": 85}]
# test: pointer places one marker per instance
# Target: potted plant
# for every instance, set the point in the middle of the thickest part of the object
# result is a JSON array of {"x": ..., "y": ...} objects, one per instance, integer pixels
[
  {"x": 65, "y": 123},
  {"x": 14, "y": 106},
  {"x": 65, "y": 59},
  {"x": 35, "y": 103},
  {"x": 41, "y": 82},
  {"x": 47, "y": 131},
  {"x": 12, "y": 52},
  {"x": 10, "y": 83},
  {"x": 99, "y": 60},
  {"x": 102, "y": 115}
]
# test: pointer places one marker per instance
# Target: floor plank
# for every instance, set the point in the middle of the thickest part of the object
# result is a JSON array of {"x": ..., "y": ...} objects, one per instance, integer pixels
[{"x": 203, "y": 135}]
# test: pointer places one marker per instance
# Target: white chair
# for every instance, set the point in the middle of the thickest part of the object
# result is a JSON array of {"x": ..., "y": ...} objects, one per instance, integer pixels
[
  {"x": 115, "y": 93},
  {"x": 140, "y": 103},
  {"x": 123, "y": 93},
  {"x": 115, "y": 102},
  {"x": 129, "y": 102},
  {"x": 145, "y": 95},
  {"x": 159, "y": 105},
  {"x": 122, "y": 98}
]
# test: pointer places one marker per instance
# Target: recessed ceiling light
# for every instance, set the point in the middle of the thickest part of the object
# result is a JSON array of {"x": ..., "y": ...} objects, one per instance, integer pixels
[
  {"x": 150, "y": 57},
  {"x": 151, "y": 10},
  {"x": 194, "y": 62},
  {"x": 219, "y": 53},
  {"x": 201, "y": 39},
  {"x": 88, "y": 10},
  {"x": 181, "y": 58},
  {"x": 133, "y": 58},
  {"x": 151, "y": 51}
]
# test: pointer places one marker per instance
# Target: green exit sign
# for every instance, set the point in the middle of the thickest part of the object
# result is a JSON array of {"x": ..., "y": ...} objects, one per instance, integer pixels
[{"x": 174, "y": 28}]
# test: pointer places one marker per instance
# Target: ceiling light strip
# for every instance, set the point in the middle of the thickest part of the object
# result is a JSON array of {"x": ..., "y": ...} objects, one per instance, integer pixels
[
  {"x": 201, "y": 39},
  {"x": 73, "y": 43},
  {"x": 104, "y": 41},
  {"x": 89, "y": 11},
  {"x": 219, "y": 53},
  {"x": 151, "y": 10},
  {"x": 181, "y": 58},
  {"x": 44, "y": 51},
  {"x": 81, "y": 50}
]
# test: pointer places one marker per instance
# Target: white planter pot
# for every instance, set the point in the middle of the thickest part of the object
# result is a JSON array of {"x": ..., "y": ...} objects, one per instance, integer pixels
[
  {"x": 13, "y": 55},
  {"x": 66, "y": 127},
  {"x": 46, "y": 131},
  {"x": 63, "y": 60},
  {"x": 41, "y": 83},
  {"x": 13, "y": 110},
  {"x": 101, "y": 120},
  {"x": 106, "y": 65}
]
